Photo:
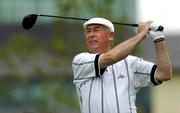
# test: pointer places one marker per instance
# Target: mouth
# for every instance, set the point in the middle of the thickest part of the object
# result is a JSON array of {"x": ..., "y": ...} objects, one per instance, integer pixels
[{"x": 92, "y": 42}]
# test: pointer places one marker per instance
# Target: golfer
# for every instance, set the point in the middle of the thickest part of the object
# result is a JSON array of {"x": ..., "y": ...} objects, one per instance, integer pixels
[{"x": 107, "y": 79}]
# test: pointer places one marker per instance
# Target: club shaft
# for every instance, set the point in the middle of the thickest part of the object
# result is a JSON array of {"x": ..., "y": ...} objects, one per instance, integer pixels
[
  {"x": 62, "y": 17},
  {"x": 28, "y": 19},
  {"x": 65, "y": 17}
]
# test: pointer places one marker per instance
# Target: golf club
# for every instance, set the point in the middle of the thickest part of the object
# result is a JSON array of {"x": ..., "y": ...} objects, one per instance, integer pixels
[{"x": 29, "y": 21}]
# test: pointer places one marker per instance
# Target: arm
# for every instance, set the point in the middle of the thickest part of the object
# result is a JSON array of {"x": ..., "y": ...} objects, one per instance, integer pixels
[
  {"x": 164, "y": 69},
  {"x": 122, "y": 50}
]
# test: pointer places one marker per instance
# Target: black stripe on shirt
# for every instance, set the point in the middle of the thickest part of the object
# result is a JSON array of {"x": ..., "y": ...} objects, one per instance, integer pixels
[
  {"x": 98, "y": 71},
  {"x": 152, "y": 76},
  {"x": 102, "y": 97},
  {"x": 115, "y": 89},
  {"x": 129, "y": 96},
  {"x": 90, "y": 95}
]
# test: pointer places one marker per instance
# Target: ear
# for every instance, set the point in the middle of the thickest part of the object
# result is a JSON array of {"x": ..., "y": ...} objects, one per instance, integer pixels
[{"x": 111, "y": 39}]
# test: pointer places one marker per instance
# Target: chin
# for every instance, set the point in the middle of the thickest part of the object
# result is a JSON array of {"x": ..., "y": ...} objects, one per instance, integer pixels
[{"x": 93, "y": 50}]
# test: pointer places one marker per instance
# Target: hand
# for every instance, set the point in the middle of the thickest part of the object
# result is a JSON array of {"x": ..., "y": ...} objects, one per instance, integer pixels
[
  {"x": 157, "y": 36},
  {"x": 144, "y": 27},
  {"x": 156, "y": 27}
]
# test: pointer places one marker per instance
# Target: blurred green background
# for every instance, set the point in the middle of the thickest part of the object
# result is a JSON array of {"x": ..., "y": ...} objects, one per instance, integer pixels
[{"x": 35, "y": 65}]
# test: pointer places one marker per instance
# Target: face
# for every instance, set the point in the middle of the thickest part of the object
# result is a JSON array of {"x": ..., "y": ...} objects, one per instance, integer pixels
[{"x": 99, "y": 39}]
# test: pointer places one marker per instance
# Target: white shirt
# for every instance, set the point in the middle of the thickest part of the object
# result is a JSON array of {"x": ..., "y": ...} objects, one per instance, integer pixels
[{"x": 110, "y": 90}]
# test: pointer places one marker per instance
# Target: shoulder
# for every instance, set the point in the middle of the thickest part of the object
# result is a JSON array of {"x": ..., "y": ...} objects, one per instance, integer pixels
[
  {"x": 134, "y": 60},
  {"x": 139, "y": 63},
  {"x": 81, "y": 55},
  {"x": 131, "y": 58},
  {"x": 85, "y": 56}
]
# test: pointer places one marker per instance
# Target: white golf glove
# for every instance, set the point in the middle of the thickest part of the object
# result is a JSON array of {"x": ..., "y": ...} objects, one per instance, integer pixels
[
  {"x": 154, "y": 26},
  {"x": 157, "y": 36}
]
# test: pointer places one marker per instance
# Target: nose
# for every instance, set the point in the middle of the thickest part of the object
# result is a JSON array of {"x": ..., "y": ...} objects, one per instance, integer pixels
[{"x": 91, "y": 34}]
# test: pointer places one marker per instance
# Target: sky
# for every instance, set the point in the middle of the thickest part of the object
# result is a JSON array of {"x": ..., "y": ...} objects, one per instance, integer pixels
[{"x": 163, "y": 12}]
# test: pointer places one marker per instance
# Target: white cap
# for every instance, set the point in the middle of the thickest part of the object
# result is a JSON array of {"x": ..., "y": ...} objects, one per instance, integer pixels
[{"x": 101, "y": 21}]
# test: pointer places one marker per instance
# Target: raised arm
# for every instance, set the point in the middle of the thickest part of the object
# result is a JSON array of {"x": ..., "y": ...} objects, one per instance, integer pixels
[
  {"x": 123, "y": 49},
  {"x": 164, "y": 68}
]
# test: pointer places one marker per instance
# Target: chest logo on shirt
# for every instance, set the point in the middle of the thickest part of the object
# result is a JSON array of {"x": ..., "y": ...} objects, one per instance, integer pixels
[{"x": 121, "y": 76}]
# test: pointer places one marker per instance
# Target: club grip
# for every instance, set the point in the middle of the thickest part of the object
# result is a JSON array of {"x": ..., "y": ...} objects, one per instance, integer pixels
[
  {"x": 152, "y": 28},
  {"x": 157, "y": 28}
]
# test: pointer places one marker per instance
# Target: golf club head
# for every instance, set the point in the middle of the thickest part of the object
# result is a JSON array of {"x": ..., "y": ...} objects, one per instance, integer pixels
[{"x": 29, "y": 21}]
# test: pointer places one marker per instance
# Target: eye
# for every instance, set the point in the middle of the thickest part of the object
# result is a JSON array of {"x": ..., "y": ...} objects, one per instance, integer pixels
[
  {"x": 97, "y": 29},
  {"x": 88, "y": 31}
]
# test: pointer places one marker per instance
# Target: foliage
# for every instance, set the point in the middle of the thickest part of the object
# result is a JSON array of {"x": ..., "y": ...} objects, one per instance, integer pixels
[{"x": 87, "y": 8}]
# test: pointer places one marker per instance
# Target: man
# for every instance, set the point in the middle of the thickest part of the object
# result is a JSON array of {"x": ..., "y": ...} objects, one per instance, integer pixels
[{"x": 107, "y": 79}]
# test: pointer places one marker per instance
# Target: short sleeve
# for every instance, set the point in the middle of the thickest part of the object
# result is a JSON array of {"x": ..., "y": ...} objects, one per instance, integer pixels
[
  {"x": 144, "y": 72},
  {"x": 85, "y": 66}
]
